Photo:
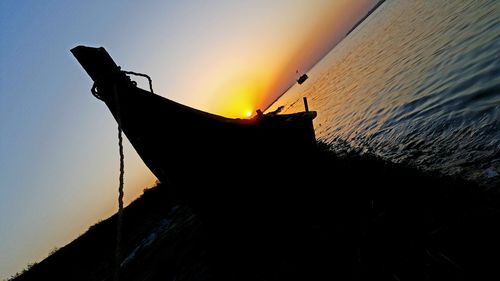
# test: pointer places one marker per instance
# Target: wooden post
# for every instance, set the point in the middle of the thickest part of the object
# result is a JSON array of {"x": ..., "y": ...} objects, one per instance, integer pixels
[{"x": 305, "y": 104}]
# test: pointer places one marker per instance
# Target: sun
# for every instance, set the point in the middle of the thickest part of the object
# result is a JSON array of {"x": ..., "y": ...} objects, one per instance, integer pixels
[{"x": 248, "y": 114}]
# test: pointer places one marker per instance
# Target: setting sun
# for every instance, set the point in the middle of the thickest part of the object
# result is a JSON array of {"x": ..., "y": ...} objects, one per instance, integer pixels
[{"x": 228, "y": 58}]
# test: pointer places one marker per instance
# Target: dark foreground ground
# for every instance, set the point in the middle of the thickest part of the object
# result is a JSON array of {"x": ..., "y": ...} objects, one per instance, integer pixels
[{"x": 348, "y": 218}]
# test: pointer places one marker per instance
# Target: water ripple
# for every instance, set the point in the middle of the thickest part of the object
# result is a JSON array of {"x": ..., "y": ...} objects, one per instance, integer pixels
[{"x": 417, "y": 83}]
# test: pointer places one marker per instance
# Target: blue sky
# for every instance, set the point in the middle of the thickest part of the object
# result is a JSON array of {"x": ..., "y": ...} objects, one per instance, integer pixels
[{"x": 58, "y": 144}]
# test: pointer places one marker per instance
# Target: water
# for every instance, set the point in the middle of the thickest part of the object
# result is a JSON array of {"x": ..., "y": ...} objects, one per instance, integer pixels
[{"x": 418, "y": 83}]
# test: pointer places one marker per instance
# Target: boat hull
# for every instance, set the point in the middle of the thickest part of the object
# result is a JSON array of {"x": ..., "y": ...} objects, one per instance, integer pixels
[{"x": 199, "y": 151}]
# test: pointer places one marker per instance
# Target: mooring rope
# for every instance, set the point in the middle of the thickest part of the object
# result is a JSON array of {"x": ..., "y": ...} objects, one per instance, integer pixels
[
  {"x": 143, "y": 75},
  {"x": 116, "y": 275},
  {"x": 120, "y": 204},
  {"x": 120, "y": 195}
]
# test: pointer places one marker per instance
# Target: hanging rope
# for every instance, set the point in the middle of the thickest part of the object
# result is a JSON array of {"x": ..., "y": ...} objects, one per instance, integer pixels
[
  {"x": 116, "y": 275},
  {"x": 120, "y": 192},
  {"x": 120, "y": 204},
  {"x": 143, "y": 75}
]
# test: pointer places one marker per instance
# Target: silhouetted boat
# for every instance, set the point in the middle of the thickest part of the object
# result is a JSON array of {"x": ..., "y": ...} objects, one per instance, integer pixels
[
  {"x": 302, "y": 78},
  {"x": 182, "y": 145}
]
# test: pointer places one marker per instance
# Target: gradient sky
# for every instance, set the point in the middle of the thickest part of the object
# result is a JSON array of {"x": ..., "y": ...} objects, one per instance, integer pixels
[{"x": 58, "y": 144}]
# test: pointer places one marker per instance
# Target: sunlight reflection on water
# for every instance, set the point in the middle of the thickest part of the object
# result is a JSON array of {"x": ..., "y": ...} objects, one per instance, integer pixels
[{"x": 418, "y": 82}]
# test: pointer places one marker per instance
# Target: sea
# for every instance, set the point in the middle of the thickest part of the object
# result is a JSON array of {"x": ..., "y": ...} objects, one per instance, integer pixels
[{"x": 417, "y": 83}]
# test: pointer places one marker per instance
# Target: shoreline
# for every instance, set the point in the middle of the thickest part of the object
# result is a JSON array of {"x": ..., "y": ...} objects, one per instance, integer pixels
[
  {"x": 364, "y": 17},
  {"x": 351, "y": 228}
]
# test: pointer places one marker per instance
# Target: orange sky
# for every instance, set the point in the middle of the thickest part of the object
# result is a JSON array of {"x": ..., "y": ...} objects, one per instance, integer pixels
[
  {"x": 223, "y": 56},
  {"x": 245, "y": 55}
]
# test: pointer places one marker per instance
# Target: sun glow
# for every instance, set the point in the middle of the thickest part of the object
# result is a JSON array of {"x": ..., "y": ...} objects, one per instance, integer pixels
[{"x": 238, "y": 97}]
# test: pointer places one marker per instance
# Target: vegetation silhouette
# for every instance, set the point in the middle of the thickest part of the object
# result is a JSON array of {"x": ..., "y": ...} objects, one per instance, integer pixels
[
  {"x": 225, "y": 212},
  {"x": 346, "y": 217}
]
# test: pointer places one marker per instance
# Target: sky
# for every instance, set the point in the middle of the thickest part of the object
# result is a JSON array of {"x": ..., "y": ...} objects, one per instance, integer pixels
[{"x": 58, "y": 144}]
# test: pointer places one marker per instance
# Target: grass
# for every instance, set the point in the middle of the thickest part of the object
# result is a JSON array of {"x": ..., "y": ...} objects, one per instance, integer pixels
[{"x": 343, "y": 217}]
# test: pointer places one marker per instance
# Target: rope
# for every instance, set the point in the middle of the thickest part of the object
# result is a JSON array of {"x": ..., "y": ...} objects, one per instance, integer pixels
[
  {"x": 116, "y": 273},
  {"x": 116, "y": 276},
  {"x": 143, "y": 75},
  {"x": 120, "y": 204},
  {"x": 120, "y": 190},
  {"x": 97, "y": 95}
]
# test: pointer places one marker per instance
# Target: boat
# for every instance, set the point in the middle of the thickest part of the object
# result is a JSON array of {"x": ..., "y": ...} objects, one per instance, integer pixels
[
  {"x": 188, "y": 147},
  {"x": 302, "y": 78}
]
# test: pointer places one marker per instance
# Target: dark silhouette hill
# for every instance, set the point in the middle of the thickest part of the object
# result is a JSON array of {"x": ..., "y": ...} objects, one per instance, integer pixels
[{"x": 345, "y": 217}]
